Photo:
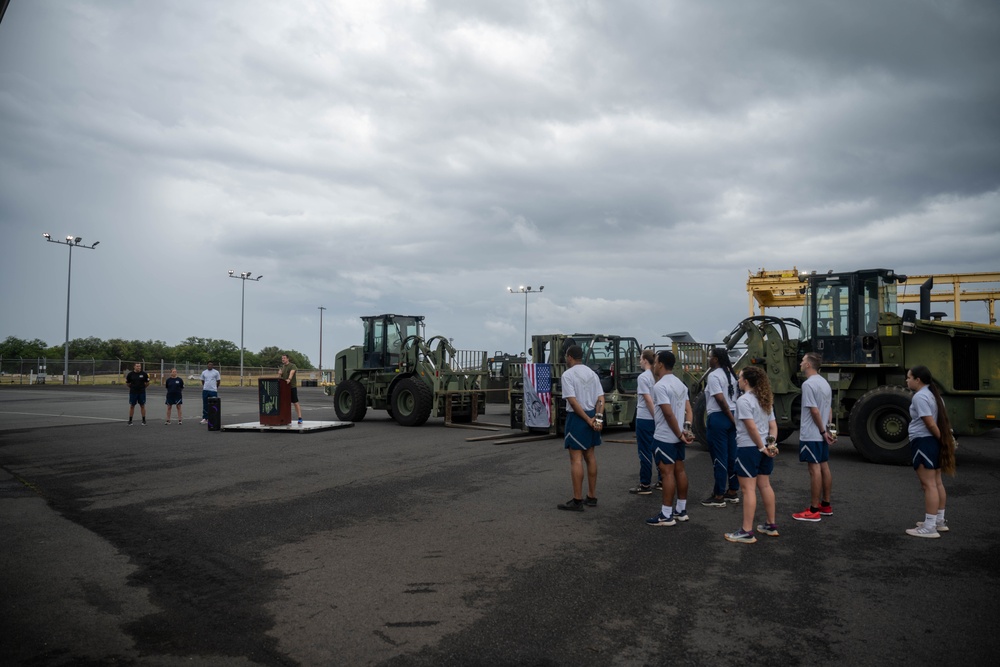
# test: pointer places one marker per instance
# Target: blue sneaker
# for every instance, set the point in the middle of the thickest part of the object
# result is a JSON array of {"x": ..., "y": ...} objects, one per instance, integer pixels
[
  {"x": 300, "y": 422},
  {"x": 741, "y": 536},
  {"x": 660, "y": 520},
  {"x": 681, "y": 515}
]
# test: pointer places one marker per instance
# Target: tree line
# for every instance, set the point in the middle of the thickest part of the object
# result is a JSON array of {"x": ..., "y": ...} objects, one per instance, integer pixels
[{"x": 193, "y": 349}]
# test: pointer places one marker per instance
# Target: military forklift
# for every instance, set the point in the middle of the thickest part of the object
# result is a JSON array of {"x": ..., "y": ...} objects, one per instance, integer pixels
[
  {"x": 851, "y": 319},
  {"x": 412, "y": 378},
  {"x": 615, "y": 359}
]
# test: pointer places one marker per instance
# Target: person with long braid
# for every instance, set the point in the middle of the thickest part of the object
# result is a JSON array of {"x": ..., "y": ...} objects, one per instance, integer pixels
[
  {"x": 754, "y": 459},
  {"x": 720, "y": 406},
  {"x": 933, "y": 448}
]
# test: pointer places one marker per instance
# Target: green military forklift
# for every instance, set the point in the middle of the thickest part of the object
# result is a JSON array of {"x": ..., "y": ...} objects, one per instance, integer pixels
[
  {"x": 615, "y": 359},
  {"x": 851, "y": 319},
  {"x": 396, "y": 369}
]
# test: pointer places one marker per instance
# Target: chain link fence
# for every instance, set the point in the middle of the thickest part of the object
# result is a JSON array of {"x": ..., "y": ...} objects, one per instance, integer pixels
[{"x": 113, "y": 371}]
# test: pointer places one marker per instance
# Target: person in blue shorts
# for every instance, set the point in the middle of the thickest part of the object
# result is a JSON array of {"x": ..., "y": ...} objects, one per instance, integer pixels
[
  {"x": 175, "y": 387},
  {"x": 932, "y": 446},
  {"x": 755, "y": 430},
  {"x": 581, "y": 387},
  {"x": 814, "y": 440},
  {"x": 137, "y": 381},
  {"x": 670, "y": 396}
]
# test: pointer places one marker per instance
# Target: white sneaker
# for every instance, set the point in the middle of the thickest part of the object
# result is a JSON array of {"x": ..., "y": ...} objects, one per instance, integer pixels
[
  {"x": 204, "y": 421},
  {"x": 942, "y": 526},
  {"x": 923, "y": 531}
]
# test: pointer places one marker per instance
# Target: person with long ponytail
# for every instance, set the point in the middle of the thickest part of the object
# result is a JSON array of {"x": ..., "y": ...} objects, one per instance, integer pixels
[
  {"x": 932, "y": 446},
  {"x": 720, "y": 429}
]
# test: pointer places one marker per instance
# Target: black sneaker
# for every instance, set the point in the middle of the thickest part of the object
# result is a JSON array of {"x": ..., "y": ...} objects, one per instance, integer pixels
[
  {"x": 571, "y": 505},
  {"x": 731, "y": 498},
  {"x": 590, "y": 502},
  {"x": 129, "y": 422},
  {"x": 713, "y": 501},
  {"x": 641, "y": 490},
  {"x": 659, "y": 486}
]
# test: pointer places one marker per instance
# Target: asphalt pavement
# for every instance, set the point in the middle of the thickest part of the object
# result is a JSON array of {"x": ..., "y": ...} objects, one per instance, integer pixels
[{"x": 386, "y": 545}]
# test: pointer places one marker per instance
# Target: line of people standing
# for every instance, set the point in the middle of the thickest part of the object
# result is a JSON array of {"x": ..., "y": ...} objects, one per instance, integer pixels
[{"x": 741, "y": 431}]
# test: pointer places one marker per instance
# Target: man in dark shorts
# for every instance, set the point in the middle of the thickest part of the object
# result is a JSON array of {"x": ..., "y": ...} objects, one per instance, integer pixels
[
  {"x": 137, "y": 381},
  {"x": 287, "y": 374}
]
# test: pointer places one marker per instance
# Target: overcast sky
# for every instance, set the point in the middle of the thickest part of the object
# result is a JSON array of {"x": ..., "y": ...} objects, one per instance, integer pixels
[{"x": 637, "y": 158}]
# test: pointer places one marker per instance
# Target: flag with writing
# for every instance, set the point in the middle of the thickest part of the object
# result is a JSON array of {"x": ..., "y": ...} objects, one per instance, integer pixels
[{"x": 538, "y": 395}]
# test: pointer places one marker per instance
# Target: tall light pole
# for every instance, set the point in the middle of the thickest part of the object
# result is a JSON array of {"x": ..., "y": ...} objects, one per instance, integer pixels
[
  {"x": 244, "y": 276},
  {"x": 71, "y": 241},
  {"x": 321, "y": 309},
  {"x": 526, "y": 291}
]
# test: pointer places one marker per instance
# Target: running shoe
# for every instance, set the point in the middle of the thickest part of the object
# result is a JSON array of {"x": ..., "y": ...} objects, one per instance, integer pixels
[
  {"x": 660, "y": 520},
  {"x": 590, "y": 501},
  {"x": 826, "y": 510},
  {"x": 681, "y": 515},
  {"x": 658, "y": 486},
  {"x": 768, "y": 529},
  {"x": 129, "y": 422},
  {"x": 741, "y": 536},
  {"x": 923, "y": 531},
  {"x": 732, "y": 498},
  {"x": 571, "y": 505},
  {"x": 204, "y": 421},
  {"x": 641, "y": 490},
  {"x": 300, "y": 422},
  {"x": 807, "y": 515},
  {"x": 713, "y": 501},
  {"x": 942, "y": 526}
]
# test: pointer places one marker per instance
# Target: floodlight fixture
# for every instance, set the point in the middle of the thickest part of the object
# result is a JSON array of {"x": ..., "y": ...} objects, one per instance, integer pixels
[
  {"x": 70, "y": 241},
  {"x": 244, "y": 276},
  {"x": 526, "y": 290}
]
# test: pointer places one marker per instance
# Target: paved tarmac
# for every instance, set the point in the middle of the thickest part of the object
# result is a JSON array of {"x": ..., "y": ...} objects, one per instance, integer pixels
[{"x": 385, "y": 545}]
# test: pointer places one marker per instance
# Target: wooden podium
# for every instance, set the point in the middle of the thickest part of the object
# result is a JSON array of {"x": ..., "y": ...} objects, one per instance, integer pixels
[{"x": 275, "y": 400}]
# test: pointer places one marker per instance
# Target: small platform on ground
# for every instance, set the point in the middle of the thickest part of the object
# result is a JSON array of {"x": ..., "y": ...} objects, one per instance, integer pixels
[{"x": 294, "y": 427}]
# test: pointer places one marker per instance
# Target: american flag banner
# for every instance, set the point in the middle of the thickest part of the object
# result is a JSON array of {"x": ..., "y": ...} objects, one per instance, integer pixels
[{"x": 538, "y": 395}]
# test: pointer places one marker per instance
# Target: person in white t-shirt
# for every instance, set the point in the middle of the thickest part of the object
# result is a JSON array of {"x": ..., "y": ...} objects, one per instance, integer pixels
[
  {"x": 210, "y": 379},
  {"x": 645, "y": 425},
  {"x": 720, "y": 428},
  {"x": 670, "y": 396},
  {"x": 814, "y": 440},
  {"x": 581, "y": 387},
  {"x": 933, "y": 448}
]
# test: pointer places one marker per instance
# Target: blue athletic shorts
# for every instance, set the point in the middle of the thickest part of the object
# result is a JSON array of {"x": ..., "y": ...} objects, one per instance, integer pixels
[
  {"x": 812, "y": 451},
  {"x": 137, "y": 397},
  {"x": 668, "y": 453},
  {"x": 751, "y": 462},
  {"x": 175, "y": 399},
  {"x": 926, "y": 452},
  {"x": 579, "y": 435}
]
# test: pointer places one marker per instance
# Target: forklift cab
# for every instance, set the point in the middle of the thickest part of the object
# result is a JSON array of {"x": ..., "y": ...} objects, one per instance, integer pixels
[
  {"x": 840, "y": 317},
  {"x": 384, "y": 335}
]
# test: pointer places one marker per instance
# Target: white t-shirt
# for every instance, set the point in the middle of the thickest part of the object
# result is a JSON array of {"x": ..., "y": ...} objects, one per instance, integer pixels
[
  {"x": 816, "y": 393},
  {"x": 646, "y": 382},
  {"x": 922, "y": 405},
  {"x": 669, "y": 390},
  {"x": 211, "y": 378},
  {"x": 748, "y": 407},
  {"x": 717, "y": 384},
  {"x": 583, "y": 384}
]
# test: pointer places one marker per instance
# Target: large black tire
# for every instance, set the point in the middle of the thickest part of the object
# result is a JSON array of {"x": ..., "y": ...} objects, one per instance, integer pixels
[
  {"x": 349, "y": 401},
  {"x": 412, "y": 401},
  {"x": 878, "y": 425},
  {"x": 700, "y": 423}
]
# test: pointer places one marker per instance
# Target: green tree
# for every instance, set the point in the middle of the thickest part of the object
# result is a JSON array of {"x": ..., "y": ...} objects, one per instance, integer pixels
[
  {"x": 88, "y": 348},
  {"x": 13, "y": 348}
]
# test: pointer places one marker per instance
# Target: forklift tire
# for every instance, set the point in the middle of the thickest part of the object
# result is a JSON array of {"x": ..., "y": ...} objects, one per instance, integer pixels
[
  {"x": 411, "y": 402},
  {"x": 349, "y": 401},
  {"x": 879, "y": 423},
  {"x": 700, "y": 422}
]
